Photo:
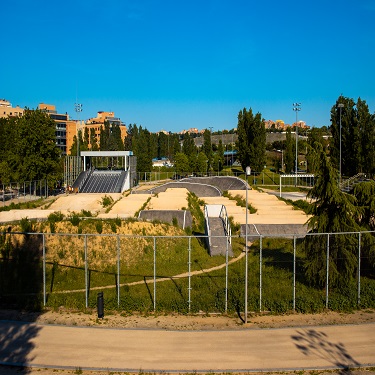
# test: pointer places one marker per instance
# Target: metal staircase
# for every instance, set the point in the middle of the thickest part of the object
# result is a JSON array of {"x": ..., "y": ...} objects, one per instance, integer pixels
[{"x": 218, "y": 230}]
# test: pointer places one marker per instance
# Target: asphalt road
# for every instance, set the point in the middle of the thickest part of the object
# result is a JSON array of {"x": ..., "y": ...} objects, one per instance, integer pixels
[{"x": 323, "y": 347}]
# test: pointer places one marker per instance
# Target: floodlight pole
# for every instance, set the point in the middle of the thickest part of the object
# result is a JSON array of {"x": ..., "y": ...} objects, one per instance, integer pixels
[
  {"x": 248, "y": 173},
  {"x": 340, "y": 105},
  {"x": 296, "y": 108},
  {"x": 78, "y": 109}
]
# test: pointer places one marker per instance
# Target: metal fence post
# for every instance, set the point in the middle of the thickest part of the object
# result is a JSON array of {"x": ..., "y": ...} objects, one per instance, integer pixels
[
  {"x": 260, "y": 271},
  {"x": 189, "y": 274},
  {"x": 226, "y": 275},
  {"x": 327, "y": 271},
  {"x": 154, "y": 273},
  {"x": 118, "y": 270},
  {"x": 44, "y": 271},
  {"x": 359, "y": 269},
  {"x": 86, "y": 271},
  {"x": 294, "y": 273}
]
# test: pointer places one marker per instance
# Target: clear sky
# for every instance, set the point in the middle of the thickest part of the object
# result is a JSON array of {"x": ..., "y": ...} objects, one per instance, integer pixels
[{"x": 177, "y": 64}]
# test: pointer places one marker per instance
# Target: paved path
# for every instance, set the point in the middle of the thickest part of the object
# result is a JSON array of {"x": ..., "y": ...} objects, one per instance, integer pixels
[{"x": 323, "y": 347}]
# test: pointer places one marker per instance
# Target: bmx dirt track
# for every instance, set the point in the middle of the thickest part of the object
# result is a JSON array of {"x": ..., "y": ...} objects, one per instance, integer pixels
[{"x": 75, "y": 342}]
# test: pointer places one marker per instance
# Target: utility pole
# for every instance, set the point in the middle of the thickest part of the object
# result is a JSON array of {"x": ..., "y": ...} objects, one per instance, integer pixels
[
  {"x": 296, "y": 108},
  {"x": 78, "y": 109}
]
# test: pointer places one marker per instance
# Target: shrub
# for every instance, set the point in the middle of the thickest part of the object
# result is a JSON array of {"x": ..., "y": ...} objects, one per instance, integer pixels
[
  {"x": 99, "y": 226},
  {"x": 26, "y": 225},
  {"x": 55, "y": 216},
  {"x": 107, "y": 201},
  {"x": 75, "y": 219}
]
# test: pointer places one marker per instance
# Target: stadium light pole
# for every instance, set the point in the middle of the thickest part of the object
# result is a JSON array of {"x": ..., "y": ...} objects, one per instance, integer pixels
[
  {"x": 78, "y": 109},
  {"x": 248, "y": 173},
  {"x": 296, "y": 108},
  {"x": 340, "y": 105}
]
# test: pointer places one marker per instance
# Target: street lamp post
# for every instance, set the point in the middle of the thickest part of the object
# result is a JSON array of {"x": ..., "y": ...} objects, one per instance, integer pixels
[
  {"x": 78, "y": 109},
  {"x": 248, "y": 173},
  {"x": 296, "y": 108},
  {"x": 340, "y": 105}
]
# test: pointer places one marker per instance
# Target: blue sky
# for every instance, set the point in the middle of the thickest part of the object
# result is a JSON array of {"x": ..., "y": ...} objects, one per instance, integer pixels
[{"x": 174, "y": 65}]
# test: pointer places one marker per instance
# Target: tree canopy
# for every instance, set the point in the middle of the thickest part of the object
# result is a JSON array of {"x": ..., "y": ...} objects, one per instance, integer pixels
[{"x": 28, "y": 148}]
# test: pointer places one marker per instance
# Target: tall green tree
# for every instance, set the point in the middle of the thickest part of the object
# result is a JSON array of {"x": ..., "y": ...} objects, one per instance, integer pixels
[
  {"x": 188, "y": 145},
  {"x": 128, "y": 141},
  {"x": 142, "y": 150},
  {"x": 220, "y": 153},
  {"x": 207, "y": 147},
  {"x": 202, "y": 161},
  {"x": 93, "y": 140},
  {"x": 154, "y": 145},
  {"x": 366, "y": 123},
  {"x": 333, "y": 211},
  {"x": 315, "y": 138},
  {"x": 289, "y": 157},
  {"x": 251, "y": 140},
  {"x": 163, "y": 145},
  {"x": 181, "y": 163}
]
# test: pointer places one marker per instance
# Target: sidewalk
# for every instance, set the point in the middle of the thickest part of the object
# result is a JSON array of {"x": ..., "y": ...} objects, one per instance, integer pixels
[{"x": 323, "y": 347}]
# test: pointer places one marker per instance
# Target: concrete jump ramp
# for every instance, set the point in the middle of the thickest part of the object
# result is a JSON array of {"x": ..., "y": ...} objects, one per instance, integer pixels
[
  {"x": 274, "y": 230},
  {"x": 183, "y": 218},
  {"x": 200, "y": 190},
  {"x": 221, "y": 182},
  {"x": 201, "y": 186}
]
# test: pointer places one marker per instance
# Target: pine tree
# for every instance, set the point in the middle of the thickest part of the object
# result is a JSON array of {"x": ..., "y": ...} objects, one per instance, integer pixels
[
  {"x": 333, "y": 211},
  {"x": 315, "y": 139}
]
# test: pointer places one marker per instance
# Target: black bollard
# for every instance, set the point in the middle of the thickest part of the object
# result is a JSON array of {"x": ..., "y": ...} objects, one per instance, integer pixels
[{"x": 100, "y": 304}]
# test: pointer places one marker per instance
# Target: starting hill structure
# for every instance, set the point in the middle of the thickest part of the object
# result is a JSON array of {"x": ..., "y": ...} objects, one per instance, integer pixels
[{"x": 101, "y": 171}]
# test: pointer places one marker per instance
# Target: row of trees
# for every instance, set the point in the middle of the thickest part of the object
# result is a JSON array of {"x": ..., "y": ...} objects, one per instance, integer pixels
[
  {"x": 186, "y": 156},
  {"x": 355, "y": 138}
]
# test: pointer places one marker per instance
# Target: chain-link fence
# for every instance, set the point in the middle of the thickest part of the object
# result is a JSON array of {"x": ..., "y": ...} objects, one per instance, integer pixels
[
  {"x": 19, "y": 192},
  {"x": 161, "y": 273}
]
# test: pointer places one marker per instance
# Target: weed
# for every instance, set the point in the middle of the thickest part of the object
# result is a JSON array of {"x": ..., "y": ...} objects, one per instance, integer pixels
[
  {"x": 26, "y": 225},
  {"x": 107, "y": 201},
  {"x": 99, "y": 226},
  {"x": 74, "y": 219}
]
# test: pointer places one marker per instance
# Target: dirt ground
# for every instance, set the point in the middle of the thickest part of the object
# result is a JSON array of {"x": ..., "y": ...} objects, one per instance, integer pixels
[{"x": 189, "y": 322}]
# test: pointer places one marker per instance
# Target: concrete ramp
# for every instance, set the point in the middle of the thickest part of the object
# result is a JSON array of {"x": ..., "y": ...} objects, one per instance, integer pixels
[
  {"x": 184, "y": 218},
  {"x": 275, "y": 230}
]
